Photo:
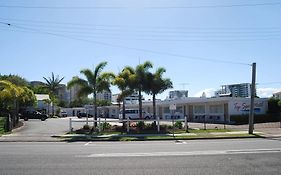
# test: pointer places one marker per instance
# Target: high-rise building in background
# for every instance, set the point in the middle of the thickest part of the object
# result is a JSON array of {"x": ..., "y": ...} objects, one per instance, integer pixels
[
  {"x": 234, "y": 90},
  {"x": 105, "y": 95},
  {"x": 132, "y": 99},
  {"x": 73, "y": 93}
]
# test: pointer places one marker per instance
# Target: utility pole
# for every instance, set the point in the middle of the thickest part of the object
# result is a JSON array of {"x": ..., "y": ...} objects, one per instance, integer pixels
[{"x": 251, "y": 117}]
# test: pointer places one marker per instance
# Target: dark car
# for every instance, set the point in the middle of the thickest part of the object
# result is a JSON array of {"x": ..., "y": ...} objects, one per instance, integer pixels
[
  {"x": 33, "y": 115},
  {"x": 81, "y": 114}
]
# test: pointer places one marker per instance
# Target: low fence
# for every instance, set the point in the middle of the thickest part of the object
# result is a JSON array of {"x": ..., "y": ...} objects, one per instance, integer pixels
[{"x": 127, "y": 121}]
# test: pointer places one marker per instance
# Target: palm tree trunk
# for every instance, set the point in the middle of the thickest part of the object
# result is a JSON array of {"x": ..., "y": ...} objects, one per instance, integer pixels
[
  {"x": 140, "y": 104},
  {"x": 154, "y": 106},
  {"x": 123, "y": 114},
  {"x": 53, "y": 109},
  {"x": 96, "y": 109}
]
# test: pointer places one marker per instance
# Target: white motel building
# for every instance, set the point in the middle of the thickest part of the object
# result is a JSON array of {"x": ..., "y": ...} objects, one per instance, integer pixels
[{"x": 198, "y": 109}]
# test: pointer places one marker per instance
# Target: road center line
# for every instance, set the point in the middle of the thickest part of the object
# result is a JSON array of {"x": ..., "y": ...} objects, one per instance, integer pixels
[{"x": 189, "y": 153}]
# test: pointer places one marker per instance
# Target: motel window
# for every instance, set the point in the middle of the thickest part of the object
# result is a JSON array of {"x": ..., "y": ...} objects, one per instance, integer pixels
[
  {"x": 179, "y": 109},
  {"x": 199, "y": 109},
  {"x": 166, "y": 110},
  {"x": 216, "y": 109}
]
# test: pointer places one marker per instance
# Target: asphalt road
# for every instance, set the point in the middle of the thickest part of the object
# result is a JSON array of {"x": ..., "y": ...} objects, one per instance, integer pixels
[
  {"x": 37, "y": 130},
  {"x": 247, "y": 156}
]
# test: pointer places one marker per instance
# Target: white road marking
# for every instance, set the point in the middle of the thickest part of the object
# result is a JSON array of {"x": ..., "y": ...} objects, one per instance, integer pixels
[
  {"x": 189, "y": 153},
  {"x": 180, "y": 142},
  {"x": 86, "y": 144}
]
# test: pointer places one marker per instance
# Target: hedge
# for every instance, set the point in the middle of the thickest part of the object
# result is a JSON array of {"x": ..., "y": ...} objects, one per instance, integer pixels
[{"x": 244, "y": 119}]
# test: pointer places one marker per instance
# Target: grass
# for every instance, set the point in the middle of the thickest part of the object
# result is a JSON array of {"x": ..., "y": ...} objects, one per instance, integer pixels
[
  {"x": 208, "y": 130},
  {"x": 197, "y": 134}
]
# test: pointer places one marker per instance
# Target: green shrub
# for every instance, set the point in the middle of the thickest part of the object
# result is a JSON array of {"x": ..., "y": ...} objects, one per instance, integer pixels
[
  {"x": 243, "y": 119},
  {"x": 178, "y": 125},
  {"x": 140, "y": 125},
  {"x": 86, "y": 127},
  {"x": 106, "y": 126},
  {"x": 2, "y": 125}
]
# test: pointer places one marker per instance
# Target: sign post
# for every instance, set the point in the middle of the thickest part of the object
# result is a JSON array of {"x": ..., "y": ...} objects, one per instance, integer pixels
[{"x": 173, "y": 107}]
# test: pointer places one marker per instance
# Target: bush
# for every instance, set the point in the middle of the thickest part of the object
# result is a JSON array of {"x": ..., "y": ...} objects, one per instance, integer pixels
[
  {"x": 106, "y": 126},
  {"x": 178, "y": 125},
  {"x": 2, "y": 125},
  {"x": 140, "y": 125},
  {"x": 244, "y": 119},
  {"x": 86, "y": 127}
]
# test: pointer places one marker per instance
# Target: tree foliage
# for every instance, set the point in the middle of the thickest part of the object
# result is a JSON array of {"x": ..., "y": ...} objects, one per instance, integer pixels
[
  {"x": 52, "y": 85},
  {"x": 96, "y": 81}
]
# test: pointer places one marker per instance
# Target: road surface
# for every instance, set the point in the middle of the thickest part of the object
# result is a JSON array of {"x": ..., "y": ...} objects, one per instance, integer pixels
[{"x": 245, "y": 156}]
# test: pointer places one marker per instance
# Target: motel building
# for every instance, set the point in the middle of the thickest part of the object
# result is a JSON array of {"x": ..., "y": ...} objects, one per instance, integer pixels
[{"x": 212, "y": 110}]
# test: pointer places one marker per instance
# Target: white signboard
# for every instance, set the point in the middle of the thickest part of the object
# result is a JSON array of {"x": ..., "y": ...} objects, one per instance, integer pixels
[{"x": 242, "y": 106}]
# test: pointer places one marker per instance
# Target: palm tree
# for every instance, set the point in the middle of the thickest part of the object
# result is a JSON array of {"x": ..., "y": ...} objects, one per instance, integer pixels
[
  {"x": 156, "y": 85},
  {"x": 139, "y": 79},
  {"x": 52, "y": 85},
  {"x": 122, "y": 81},
  {"x": 95, "y": 82}
]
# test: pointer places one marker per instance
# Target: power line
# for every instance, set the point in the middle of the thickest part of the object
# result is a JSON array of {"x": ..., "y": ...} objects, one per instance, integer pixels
[
  {"x": 161, "y": 35},
  {"x": 144, "y": 7},
  {"x": 162, "y": 31},
  {"x": 126, "y": 47},
  {"x": 160, "y": 38},
  {"x": 116, "y": 27}
]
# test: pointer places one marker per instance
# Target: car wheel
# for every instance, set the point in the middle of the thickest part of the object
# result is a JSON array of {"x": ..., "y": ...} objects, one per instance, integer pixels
[
  {"x": 147, "y": 118},
  {"x": 25, "y": 119}
]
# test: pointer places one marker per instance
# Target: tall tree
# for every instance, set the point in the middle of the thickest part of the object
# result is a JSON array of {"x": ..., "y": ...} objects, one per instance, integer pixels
[
  {"x": 123, "y": 82},
  {"x": 140, "y": 79},
  {"x": 12, "y": 97},
  {"x": 15, "y": 79},
  {"x": 52, "y": 85},
  {"x": 95, "y": 82},
  {"x": 156, "y": 85}
]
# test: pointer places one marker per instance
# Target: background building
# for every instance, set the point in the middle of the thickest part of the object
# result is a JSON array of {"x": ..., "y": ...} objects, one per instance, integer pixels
[
  {"x": 234, "y": 90},
  {"x": 132, "y": 99},
  {"x": 105, "y": 95},
  {"x": 178, "y": 94}
]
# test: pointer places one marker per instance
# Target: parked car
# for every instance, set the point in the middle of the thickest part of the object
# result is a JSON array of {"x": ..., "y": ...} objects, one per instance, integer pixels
[
  {"x": 63, "y": 114},
  {"x": 134, "y": 114},
  {"x": 81, "y": 114},
  {"x": 33, "y": 115}
]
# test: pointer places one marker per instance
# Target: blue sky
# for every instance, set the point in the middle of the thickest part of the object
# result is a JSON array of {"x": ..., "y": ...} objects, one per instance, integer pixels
[{"x": 190, "y": 38}]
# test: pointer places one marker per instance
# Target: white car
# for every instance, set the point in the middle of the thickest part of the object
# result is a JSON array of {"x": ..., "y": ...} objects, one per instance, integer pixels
[
  {"x": 63, "y": 114},
  {"x": 134, "y": 114}
]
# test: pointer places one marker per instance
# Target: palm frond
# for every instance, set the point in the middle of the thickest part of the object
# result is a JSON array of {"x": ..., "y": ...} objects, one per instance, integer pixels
[
  {"x": 89, "y": 75},
  {"x": 99, "y": 68}
]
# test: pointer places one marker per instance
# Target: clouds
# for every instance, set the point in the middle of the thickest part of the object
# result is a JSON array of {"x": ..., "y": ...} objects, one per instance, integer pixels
[
  {"x": 267, "y": 92},
  {"x": 209, "y": 92}
]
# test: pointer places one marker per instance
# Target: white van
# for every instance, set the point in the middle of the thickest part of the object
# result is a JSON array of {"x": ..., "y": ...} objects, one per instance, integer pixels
[{"x": 134, "y": 114}]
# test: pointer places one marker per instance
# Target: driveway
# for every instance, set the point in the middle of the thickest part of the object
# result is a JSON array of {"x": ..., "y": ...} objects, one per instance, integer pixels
[{"x": 37, "y": 130}]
